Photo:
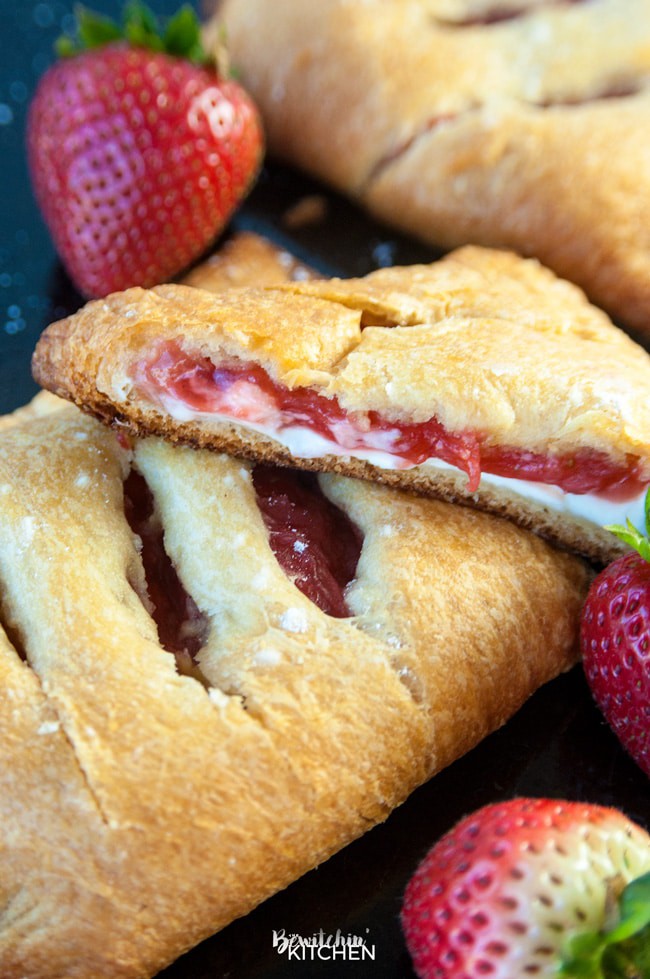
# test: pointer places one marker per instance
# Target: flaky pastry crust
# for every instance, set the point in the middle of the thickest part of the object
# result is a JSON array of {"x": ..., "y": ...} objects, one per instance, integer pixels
[
  {"x": 519, "y": 124},
  {"x": 142, "y": 810},
  {"x": 482, "y": 340},
  {"x": 246, "y": 259},
  {"x": 41, "y": 404}
]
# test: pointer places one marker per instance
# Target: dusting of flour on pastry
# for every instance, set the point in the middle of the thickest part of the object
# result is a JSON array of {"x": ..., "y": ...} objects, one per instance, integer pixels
[
  {"x": 49, "y": 727},
  {"x": 260, "y": 580},
  {"x": 218, "y": 697},
  {"x": 294, "y": 620},
  {"x": 267, "y": 657},
  {"x": 26, "y": 530}
]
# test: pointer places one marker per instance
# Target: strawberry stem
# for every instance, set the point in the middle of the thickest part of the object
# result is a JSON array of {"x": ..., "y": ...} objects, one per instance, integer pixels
[
  {"x": 180, "y": 36},
  {"x": 622, "y": 952}
]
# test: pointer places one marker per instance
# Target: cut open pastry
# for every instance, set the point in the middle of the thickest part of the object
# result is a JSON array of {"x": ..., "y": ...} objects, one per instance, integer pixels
[
  {"x": 216, "y": 674},
  {"x": 184, "y": 729},
  {"x": 511, "y": 123},
  {"x": 481, "y": 378}
]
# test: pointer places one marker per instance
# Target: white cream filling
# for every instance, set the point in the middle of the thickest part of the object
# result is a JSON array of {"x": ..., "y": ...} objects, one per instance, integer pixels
[
  {"x": 585, "y": 506},
  {"x": 302, "y": 442},
  {"x": 306, "y": 444}
]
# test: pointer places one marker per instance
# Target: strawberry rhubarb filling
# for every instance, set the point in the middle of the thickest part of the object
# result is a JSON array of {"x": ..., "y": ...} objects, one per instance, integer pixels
[{"x": 313, "y": 424}]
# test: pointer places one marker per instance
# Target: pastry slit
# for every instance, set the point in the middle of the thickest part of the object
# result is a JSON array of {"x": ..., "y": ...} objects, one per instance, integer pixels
[
  {"x": 95, "y": 796},
  {"x": 616, "y": 88},
  {"x": 15, "y": 642},
  {"x": 500, "y": 13},
  {"x": 314, "y": 541},
  {"x": 403, "y": 148},
  {"x": 12, "y": 633},
  {"x": 182, "y": 628}
]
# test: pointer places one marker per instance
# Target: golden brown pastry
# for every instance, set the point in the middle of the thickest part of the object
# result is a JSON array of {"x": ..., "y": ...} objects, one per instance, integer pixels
[
  {"x": 481, "y": 378},
  {"x": 521, "y": 124},
  {"x": 247, "y": 259},
  {"x": 143, "y": 808},
  {"x": 165, "y": 771},
  {"x": 43, "y": 403}
]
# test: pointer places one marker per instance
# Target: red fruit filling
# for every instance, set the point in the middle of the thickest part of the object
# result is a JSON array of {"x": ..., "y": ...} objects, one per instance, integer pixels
[
  {"x": 182, "y": 629},
  {"x": 245, "y": 392},
  {"x": 584, "y": 471},
  {"x": 315, "y": 543}
]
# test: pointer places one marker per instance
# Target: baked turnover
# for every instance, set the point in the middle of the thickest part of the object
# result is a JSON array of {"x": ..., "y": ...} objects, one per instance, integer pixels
[
  {"x": 514, "y": 123},
  {"x": 215, "y": 674},
  {"x": 197, "y": 709},
  {"x": 481, "y": 378}
]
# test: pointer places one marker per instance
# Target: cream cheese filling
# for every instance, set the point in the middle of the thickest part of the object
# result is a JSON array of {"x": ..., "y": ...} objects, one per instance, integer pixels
[
  {"x": 303, "y": 443},
  {"x": 585, "y": 506}
]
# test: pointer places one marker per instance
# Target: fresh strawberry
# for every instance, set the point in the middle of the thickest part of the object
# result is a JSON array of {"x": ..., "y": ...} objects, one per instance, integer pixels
[
  {"x": 138, "y": 156},
  {"x": 529, "y": 887},
  {"x": 615, "y": 640}
]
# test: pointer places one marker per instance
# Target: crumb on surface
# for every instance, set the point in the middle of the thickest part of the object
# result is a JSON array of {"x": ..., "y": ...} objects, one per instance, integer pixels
[{"x": 311, "y": 209}]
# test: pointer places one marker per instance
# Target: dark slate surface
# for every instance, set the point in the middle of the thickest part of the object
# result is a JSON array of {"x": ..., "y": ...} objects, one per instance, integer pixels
[{"x": 557, "y": 745}]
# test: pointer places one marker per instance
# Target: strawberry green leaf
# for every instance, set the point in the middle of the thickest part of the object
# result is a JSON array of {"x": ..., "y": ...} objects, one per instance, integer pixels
[
  {"x": 137, "y": 13},
  {"x": 635, "y": 538},
  {"x": 634, "y": 906},
  {"x": 180, "y": 37},
  {"x": 183, "y": 35},
  {"x": 583, "y": 957},
  {"x": 141, "y": 27},
  {"x": 93, "y": 31},
  {"x": 622, "y": 952},
  {"x": 630, "y": 535},
  {"x": 65, "y": 47}
]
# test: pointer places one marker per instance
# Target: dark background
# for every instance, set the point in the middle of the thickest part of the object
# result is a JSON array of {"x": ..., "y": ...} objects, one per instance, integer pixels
[{"x": 558, "y": 745}]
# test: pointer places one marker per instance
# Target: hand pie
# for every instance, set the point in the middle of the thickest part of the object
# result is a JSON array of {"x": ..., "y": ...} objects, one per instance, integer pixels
[
  {"x": 184, "y": 730},
  {"x": 187, "y": 732},
  {"x": 515, "y": 123},
  {"x": 480, "y": 379}
]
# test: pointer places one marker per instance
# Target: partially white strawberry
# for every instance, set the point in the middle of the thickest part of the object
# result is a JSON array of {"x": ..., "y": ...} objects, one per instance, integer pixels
[{"x": 533, "y": 887}]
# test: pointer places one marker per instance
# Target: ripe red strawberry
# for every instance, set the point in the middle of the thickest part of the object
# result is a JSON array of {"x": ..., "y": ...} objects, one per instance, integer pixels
[
  {"x": 138, "y": 157},
  {"x": 615, "y": 640},
  {"x": 528, "y": 888}
]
